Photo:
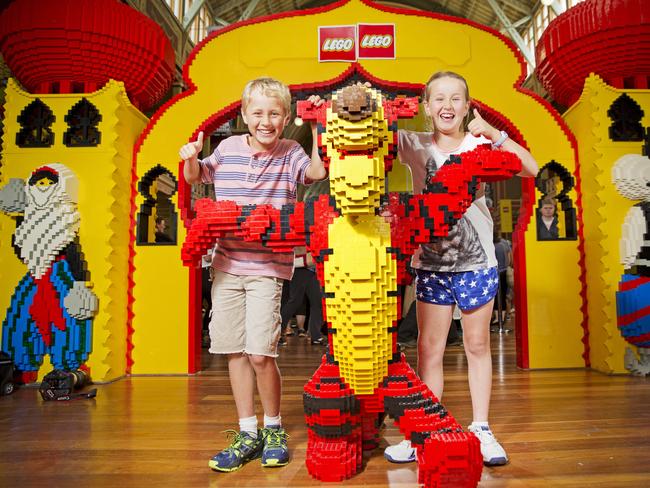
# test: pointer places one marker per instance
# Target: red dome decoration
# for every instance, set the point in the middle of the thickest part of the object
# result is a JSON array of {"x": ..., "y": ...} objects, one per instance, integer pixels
[
  {"x": 608, "y": 37},
  {"x": 72, "y": 46}
]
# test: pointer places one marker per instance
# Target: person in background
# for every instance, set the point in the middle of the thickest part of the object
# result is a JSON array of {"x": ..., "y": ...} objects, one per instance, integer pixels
[
  {"x": 161, "y": 228},
  {"x": 504, "y": 260},
  {"x": 547, "y": 220},
  {"x": 304, "y": 285}
]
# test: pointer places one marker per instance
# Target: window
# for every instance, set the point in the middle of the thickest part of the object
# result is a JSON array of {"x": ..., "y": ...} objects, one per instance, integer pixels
[
  {"x": 82, "y": 121},
  {"x": 35, "y": 126},
  {"x": 176, "y": 6}
]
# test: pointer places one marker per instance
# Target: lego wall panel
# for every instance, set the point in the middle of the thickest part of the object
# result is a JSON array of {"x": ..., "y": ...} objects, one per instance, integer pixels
[
  {"x": 596, "y": 120},
  {"x": 93, "y": 135}
]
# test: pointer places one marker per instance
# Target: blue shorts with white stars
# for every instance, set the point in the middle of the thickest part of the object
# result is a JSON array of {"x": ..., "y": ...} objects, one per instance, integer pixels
[{"x": 469, "y": 289}]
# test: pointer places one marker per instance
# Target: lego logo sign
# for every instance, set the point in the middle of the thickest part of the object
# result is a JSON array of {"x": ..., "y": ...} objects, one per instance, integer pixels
[
  {"x": 376, "y": 41},
  {"x": 337, "y": 43},
  {"x": 362, "y": 41},
  {"x": 346, "y": 44}
]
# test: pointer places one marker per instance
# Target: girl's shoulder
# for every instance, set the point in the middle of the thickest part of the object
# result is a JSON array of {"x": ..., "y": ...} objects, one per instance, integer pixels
[
  {"x": 414, "y": 133},
  {"x": 414, "y": 138}
]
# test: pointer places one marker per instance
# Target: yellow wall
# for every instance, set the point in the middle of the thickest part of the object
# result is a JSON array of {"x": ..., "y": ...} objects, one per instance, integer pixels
[
  {"x": 104, "y": 175},
  {"x": 604, "y": 212},
  {"x": 220, "y": 68}
]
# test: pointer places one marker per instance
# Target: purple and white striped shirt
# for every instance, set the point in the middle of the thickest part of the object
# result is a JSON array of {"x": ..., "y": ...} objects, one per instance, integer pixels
[{"x": 248, "y": 177}]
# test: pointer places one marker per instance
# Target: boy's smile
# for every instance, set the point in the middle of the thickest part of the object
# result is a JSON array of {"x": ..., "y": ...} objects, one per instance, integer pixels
[{"x": 266, "y": 119}]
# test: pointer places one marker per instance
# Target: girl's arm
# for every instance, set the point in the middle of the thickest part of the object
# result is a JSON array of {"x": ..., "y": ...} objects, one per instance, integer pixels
[{"x": 479, "y": 127}]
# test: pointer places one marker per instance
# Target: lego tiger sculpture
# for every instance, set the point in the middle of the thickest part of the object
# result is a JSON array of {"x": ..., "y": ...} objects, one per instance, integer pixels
[{"x": 361, "y": 240}]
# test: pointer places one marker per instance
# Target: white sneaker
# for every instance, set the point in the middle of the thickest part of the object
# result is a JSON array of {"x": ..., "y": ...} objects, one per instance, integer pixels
[
  {"x": 400, "y": 453},
  {"x": 492, "y": 452}
]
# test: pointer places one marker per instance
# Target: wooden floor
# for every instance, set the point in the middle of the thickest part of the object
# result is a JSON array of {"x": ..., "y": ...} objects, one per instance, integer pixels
[{"x": 561, "y": 428}]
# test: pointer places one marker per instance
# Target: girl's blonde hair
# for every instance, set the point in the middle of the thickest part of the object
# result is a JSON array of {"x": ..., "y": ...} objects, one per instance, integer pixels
[
  {"x": 447, "y": 74},
  {"x": 269, "y": 87}
]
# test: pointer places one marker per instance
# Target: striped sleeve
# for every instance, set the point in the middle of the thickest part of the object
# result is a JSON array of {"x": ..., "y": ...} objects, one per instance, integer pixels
[
  {"x": 209, "y": 165},
  {"x": 299, "y": 161}
]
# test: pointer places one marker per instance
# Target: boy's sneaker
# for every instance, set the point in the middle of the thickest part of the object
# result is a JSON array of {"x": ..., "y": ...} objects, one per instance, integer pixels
[
  {"x": 400, "y": 453},
  {"x": 243, "y": 448},
  {"x": 493, "y": 453},
  {"x": 275, "y": 452}
]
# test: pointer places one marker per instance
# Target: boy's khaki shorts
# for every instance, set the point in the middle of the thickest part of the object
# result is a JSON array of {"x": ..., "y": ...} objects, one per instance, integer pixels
[{"x": 245, "y": 314}]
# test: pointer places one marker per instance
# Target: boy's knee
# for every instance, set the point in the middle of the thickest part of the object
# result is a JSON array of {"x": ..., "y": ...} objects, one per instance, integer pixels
[{"x": 259, "y": 361}]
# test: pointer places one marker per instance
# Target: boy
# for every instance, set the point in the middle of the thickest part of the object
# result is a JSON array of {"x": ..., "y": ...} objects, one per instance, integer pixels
[{"x": 256, "y": 168}]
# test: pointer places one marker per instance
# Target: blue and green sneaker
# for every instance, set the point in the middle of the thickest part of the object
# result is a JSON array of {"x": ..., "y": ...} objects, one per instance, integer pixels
[
  {"x": 242, "y": 449},
  {"x": 275, "y": 452}
]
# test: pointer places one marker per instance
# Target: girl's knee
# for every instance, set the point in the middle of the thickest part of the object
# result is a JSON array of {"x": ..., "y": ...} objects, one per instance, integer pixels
[
  {"x": 477, "y": 346},
  {"x": 430, "y": 353}
]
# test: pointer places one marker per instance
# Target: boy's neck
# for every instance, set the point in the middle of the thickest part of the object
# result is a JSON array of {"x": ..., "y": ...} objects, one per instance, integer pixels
[{"x": 257, "y": 147}]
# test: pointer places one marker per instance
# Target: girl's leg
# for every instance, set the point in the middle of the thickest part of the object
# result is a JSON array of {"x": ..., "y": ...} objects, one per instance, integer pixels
[
  {"x": 433, "y": 326},
  {"x": 476, "y": 337}
]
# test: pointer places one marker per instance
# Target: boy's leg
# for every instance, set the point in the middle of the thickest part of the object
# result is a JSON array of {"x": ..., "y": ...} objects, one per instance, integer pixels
[
  {"x": 263, "y": 331},
  {"x": 227, "y": 333},
  {"x": 269, "y": 383},
  {"x": 242, "y": 382}
]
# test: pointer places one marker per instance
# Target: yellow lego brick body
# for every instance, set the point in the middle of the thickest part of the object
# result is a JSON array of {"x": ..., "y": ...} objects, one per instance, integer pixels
[{"x": 359, "y": 275}]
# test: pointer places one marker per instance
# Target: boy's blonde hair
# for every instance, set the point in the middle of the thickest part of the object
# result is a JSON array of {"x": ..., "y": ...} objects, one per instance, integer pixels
[
  {"x": 448, "y": 74},
  {"x": 269, "y": 87}
]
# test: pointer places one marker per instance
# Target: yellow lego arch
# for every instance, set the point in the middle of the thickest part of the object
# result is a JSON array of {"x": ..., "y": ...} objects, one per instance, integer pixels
[{"x": 285, "y": 46}]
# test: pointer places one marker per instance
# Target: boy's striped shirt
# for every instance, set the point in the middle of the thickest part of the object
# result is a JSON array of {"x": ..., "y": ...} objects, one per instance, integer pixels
[{"x": 247, "y": 177}]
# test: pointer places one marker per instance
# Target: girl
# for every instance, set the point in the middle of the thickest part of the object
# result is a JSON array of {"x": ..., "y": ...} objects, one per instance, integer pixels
[{"x": 461, "y": 269}]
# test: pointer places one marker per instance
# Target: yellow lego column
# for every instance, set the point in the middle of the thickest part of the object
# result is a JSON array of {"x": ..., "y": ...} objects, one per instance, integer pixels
[
  {"x": 608, "y": 123},
  {"x": 101, "y": 166}
]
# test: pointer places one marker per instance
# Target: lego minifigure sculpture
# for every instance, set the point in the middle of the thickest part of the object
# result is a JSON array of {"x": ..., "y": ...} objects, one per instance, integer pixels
[{"x": 361, "y": 240}]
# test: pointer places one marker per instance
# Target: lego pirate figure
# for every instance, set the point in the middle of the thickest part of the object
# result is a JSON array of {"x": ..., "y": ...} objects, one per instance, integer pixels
[
  {"x": 52, "y": 307},
  {"x": 361, "y": 241}
]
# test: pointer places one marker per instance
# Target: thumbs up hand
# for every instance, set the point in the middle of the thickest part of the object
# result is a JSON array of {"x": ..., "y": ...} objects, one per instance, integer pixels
[
  {"x": 479, "y": 127},
  {"x": 191, "y": 150}
]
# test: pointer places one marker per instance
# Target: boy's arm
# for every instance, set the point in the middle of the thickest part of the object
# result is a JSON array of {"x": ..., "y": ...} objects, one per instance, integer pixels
[
  {"x": 190, "y": 154},
  {"x": 280, "y": 229},
  {"x": 316, "y": 170}
]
